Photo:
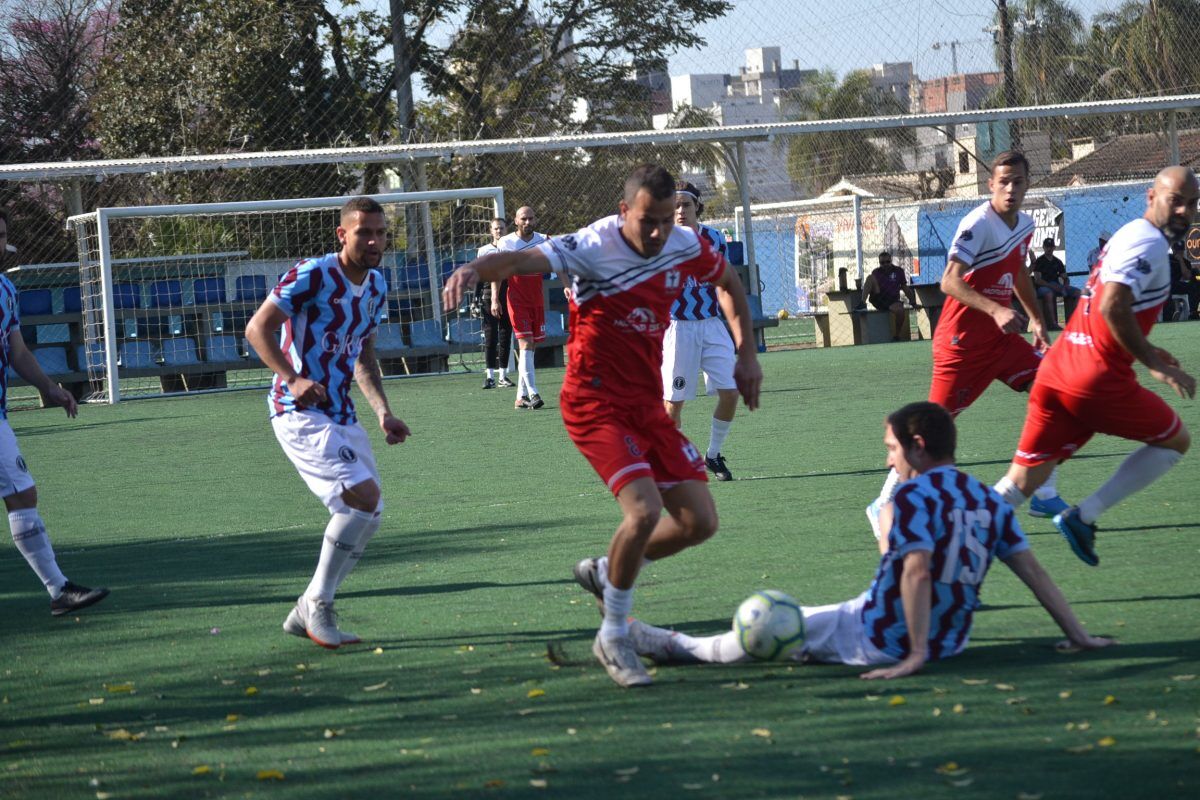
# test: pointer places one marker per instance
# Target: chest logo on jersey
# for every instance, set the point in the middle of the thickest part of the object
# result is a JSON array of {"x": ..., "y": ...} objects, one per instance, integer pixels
[
  {"x": 1001, "y": 288},
  {"x": 673, "y": 279},
  {"x": 640, "y": 320},
  {"x": 341, "y": 344}
]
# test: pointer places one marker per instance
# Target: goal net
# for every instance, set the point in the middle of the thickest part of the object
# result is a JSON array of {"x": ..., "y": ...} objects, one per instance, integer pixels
[{"x": 166, "y": 291}]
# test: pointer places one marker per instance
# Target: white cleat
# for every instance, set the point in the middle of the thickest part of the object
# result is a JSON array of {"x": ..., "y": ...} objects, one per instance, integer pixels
[
  {"x": 295, "y": 626},
  {"x": 317, "y": 620},
  {"x": 621, "y": 661}
]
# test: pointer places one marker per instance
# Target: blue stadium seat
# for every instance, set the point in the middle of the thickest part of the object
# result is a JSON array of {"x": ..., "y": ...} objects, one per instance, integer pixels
[
  {"x": 735, "y": 253},
  {"x": 466, "y": 331},
  {"x": 180, "y": 352},
  {"x": 94, "y": 356},
  {"x": 250, "y": 289},
  {"x": 755, "y": 301},
  {"x": 412, "y": 277},
  {"x": 209, "y": 291},
  {"x": 426, "y": 333},
  {"x": 250, "y": 350},
  {"x": 221, "y": 348},
  {"x": 138, "y": 355},
  {"x": 166, "y": 294},
  {"x": 389, "y": 337},
  {"x": 51, "y": 334},
  {"x": 32, "y": 302},
  {"x": 127, "y": 295},
  {"x": 72, "y": 300},
  {"x": 52, "y": 360},
  {"x": 554, "y": 324},
  {"x": 389, "y": 277}
]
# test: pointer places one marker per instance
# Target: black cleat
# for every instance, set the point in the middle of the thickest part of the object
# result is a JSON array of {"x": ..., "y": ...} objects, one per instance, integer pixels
[
  {"x": 717, "y": 467},
  {"x": 488, "y": 383},
  {"x": 505, "y": 383},
  {"x": 74, "y": 597},
  {"x": 536, "y": 401},
  {"x": 522, "y": 402}
]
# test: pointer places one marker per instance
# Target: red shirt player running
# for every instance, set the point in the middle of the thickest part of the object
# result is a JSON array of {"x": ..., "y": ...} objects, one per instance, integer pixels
[
  {"x": 1087, "y": 385},
  {"x": 978, "y": 338},
  {"x": 626, "y": 271}
]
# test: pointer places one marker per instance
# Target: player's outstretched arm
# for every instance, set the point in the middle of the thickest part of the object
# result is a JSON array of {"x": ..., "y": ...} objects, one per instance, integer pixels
[
  {"x": 1030, "y": 571},
  {"x": 25, "y": 365},
  {"x": 260, "y": 332},
  {"x": 954, "y": 286},
  {"x": 916, "y": 594},
  {"x": 492, "y": 267},
  {"x": 747, "y": 373},
  {"x": 370, "y": 380},
  {"x": 1116, "y": 307}
]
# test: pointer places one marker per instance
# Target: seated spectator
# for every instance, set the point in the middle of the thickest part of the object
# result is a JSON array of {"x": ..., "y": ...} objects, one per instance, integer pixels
[
  {"x": 884, "y": 288},
  {"x": 1050, "y": 280},
  {"x": 1184, "y": 282}
]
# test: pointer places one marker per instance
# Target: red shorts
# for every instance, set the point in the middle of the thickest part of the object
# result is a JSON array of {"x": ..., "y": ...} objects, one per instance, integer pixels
[
  {"x": 528, "y": 321},
  {"x": 960, "y": 377},
  {"x": 624, "y": 443},
  {"x": 1058, "y": 423}
]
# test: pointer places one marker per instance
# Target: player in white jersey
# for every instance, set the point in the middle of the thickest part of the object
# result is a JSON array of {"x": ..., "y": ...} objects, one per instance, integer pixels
[
  {"x": 16, "y": 484},
  {"x": 526, "y": 308},
  {"x": 328, "y": 309},
  {"x": 699, "y": 341}
]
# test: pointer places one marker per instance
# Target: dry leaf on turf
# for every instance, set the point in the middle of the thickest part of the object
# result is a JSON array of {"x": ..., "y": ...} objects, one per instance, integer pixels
[
  {"x": 378, "y": 651},
  {"x": 535, "y": 693},
  {"x": 1110, "y": 700},
  {"x": 1183, "y": 677},
  {"x": 1107, "y": 741},
  {"x": 626, "y": 771},
  {"x": 959, "y": 708},
  {"x": 232, "y": 717},
  {"x": 1006, "y": 687},
  {"x": 494, "y": 783},
  {"x": 1083, "y": 748},
  {"x": 897, "y": 700},
  {"x": 763, "y": 733},
  {"x": 118, "y": 688},
  {"x": 251, "y": 691},
  {"x": 122, "y": 735},
  {"x": 952, "y": 769},
  {"x": 538, "y": 783},
  {"x": 270, "y": 775},
  {"x": 202, "y": 769},
  {"x": 375, "y": 687},
  {"x": 1063, "y": 695},
  {"x": 974, "y": 681},
  {"x": 540, "y": 751},
  {"x": 95, "y": 701}
]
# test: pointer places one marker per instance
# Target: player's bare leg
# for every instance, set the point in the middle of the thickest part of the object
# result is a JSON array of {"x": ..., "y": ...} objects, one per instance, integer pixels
[
  {"x": 674, "y": 411},
  {"x": 691, "y": 519}
]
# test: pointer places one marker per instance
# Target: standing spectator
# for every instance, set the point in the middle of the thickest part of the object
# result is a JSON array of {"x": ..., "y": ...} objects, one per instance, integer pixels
[
  {"x": 1051, "y": 282},
  {"x": 493, "y": 309},
  {"x": 697, "y": 339},
  {"x": 526, "y": 308},
  {"x": 883, "y": 289},
  {"x": 1183, "y": 281},
  {"x": 1094, "y": 254}
]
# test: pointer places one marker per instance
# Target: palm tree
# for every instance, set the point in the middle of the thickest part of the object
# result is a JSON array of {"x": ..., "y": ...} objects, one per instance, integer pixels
[{"x": 1047, "y": 38}]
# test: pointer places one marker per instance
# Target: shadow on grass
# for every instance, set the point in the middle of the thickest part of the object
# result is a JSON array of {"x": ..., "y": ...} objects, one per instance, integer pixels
[{"x": 71, "y": 428}]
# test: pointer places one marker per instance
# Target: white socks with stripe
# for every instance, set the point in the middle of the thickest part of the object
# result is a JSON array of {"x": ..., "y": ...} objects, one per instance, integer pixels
[
  {"x": 526, "y": 385},
  {"x": 1140, "y": 469},
  {"x": 342, "y": 536},
  {"x": 716, "y": 436},
  {"x": 29, "y": 534},
  {"x": 363, "y": 539}
]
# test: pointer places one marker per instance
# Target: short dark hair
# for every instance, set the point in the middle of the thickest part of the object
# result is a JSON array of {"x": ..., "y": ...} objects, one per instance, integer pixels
[
  {"x": 1048, "y": 241},
  {"x": 687, "y": 187},
  {"x": 1010, "y": 158},
  {"x": 367, "y": 205},
  {"x": 885, "y": 254},
  {"x": 501, "y": 220},
  {"x": 929, "y": 421},
  {"x": 651, "y": 177}
]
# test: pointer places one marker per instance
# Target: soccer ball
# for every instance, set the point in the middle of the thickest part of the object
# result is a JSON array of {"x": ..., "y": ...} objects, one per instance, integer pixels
[
  {"x": 769, "y": 625},
  {"x": 784, "y": 313}
]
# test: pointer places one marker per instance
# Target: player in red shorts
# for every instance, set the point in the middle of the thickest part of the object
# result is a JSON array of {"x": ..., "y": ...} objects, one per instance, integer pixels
[
  {"x": 626, "y": 271},
  {"x": 978, "y": 338},
  {"x": 526, "y": 308},
  {"x": 1086, "y": 384}
]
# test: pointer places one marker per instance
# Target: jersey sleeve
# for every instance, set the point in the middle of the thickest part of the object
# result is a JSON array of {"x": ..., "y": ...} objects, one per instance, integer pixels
[
  {"x": 912, "y": 522},
  {"x": 1134, "y": 265},
  {"x": 576, "y": 254},
  {"x": 969, "y": 239},
  {"x": 296, "y": 288},
  {"x": 381, "y": 311},
  {"x": 1012, "y": 539}
]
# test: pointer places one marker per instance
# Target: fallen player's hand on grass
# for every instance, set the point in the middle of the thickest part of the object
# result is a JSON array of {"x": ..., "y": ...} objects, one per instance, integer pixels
[{"x": 908, "y": 666}]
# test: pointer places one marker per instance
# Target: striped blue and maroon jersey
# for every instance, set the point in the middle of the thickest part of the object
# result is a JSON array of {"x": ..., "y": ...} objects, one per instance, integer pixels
[
  {"x": 9, "y": 321},
  {"x": 963, "y": 525},
  {"x": 328, "y": 319},
  {"x": 699, "y": 300}
]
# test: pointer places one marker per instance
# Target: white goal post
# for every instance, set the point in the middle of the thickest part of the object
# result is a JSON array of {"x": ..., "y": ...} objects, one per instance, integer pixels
[{"x": 165, "y": 291}]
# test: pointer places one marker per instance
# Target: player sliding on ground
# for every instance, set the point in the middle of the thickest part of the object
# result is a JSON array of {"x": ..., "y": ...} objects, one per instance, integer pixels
[
  {"x": 944, "y": 527},
  {"x": 1087, "y": 384},
  {"x": 329, "y": 308},
  {"x": 626, "y": 271}
]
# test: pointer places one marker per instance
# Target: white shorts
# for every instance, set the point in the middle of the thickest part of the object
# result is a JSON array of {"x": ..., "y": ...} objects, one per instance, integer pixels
[
  {"x": 330, "y": 457},
  {"x": 691, "y": 346},
  {"x": 834, "y": 634},
  {"x": 14, "y": 475}
]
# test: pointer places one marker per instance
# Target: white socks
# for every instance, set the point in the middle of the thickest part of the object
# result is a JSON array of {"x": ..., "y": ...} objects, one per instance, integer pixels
[
  {"x": 617, "y": 605},
  {"x": 1049, "y": 489},
  {"x": 342, "y": 536},
  {"x": 488, "y": 374},
  {"x": 1140, "y": 469},
  {"x": 1009, "y": 491},
  {"x": 720, "y": 649},
  {"x": 361, "y": 546},
  {"x": 29, "y": 534},
  {"x": 525, "y": 384},
  {"x": 716, "y": 437}
]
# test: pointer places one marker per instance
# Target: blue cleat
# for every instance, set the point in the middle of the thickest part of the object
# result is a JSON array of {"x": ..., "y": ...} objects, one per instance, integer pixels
[
  {"x": 1047, "y": 508},
  {"x": 1079, "y": 534}
]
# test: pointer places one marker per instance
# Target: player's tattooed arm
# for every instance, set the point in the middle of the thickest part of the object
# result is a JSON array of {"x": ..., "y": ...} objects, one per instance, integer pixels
[{"x": 370, "y": 380}]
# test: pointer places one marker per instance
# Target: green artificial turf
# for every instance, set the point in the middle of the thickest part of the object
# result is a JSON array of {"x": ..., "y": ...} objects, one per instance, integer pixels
[{"x": 189, "y": 511}]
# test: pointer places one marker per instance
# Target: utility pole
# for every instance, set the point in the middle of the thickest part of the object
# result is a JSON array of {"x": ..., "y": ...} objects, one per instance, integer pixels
[{"x": 1010, "y": 85}]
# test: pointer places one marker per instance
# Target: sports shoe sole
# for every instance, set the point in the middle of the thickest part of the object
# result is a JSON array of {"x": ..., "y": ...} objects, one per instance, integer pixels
[
  {"x": 1091, "y": 559},
  {"x": 90, "y": 599},
  {"x": 632, "y": 681},
  {"x": 295, "y": 626}
]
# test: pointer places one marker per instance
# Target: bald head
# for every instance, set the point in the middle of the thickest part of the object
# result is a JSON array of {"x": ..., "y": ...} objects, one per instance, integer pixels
[
  {"x": 524, "y": 221},
  {"x": 1171, "y": 201}
]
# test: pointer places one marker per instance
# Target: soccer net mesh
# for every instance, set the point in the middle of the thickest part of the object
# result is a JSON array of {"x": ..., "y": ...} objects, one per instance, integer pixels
[{"x": 165, "y": 292}]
